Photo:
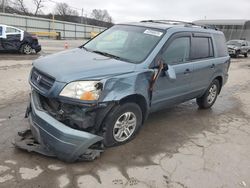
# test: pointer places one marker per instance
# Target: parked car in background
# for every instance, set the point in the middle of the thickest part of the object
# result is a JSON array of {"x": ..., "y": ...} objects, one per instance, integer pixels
[
  {"x": 100, "y": 94},
  {"x": 13, "y": 39},
  {"x": 238, "y": 47}
]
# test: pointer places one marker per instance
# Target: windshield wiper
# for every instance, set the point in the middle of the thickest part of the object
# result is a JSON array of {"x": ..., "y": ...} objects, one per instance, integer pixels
[
  {"x": 108, "y": 55},
  {"x": 84, "y": 48}
]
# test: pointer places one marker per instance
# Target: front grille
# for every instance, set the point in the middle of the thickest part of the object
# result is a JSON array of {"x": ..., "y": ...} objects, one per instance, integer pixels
[
  {"x": 41, "y": 80},
  {"x": 74, "y": 116}
]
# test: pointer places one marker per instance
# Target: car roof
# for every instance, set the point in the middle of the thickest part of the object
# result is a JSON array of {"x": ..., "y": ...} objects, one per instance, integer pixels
[
  {"x": 177, "y": 25},
  {"x": 149, "y": 25},
  {"x": 3, "y": 25}
]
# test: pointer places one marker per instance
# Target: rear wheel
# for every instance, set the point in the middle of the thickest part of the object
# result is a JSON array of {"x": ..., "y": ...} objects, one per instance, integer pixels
[
  {"x": 122, "y": 124},
  {"x": 246, "y": 54},
  {"x": 26, "y": 49},
  {"x": 210, "y": 96}
]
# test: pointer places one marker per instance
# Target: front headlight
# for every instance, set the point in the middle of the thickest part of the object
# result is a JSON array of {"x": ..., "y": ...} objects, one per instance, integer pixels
[{"x": 82, "y": 90}]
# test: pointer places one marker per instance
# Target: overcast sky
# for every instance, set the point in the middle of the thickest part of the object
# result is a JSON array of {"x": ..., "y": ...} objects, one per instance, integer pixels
[{"x": 186, "y": 10}]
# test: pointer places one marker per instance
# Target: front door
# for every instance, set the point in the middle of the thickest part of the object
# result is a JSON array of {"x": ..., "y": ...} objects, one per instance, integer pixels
[{"x": 172, "y": 91}]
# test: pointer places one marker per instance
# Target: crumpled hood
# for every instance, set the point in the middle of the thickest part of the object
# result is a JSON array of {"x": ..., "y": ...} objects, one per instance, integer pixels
[
  {"x": 233, "y": 47},
  {"x": 79, "y": 64}
]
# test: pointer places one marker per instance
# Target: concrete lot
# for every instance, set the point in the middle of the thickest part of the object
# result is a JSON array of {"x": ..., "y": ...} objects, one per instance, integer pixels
[{"x": 177, "y": 147}]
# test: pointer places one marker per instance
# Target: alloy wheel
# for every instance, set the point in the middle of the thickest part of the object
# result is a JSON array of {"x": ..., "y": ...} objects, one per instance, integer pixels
[
  {"x": 213, "y": 91},
  {"x": 124, "y": 127},
  {"x": 27, "y": 49}
]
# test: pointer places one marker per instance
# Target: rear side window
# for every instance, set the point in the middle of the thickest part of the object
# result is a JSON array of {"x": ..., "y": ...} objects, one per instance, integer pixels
[
  {"x": 1, "y": 31},
  {"x": 178, "y": 51},
  {"x": 201, "y": 48},
  {"x": 220, "y": 43}
]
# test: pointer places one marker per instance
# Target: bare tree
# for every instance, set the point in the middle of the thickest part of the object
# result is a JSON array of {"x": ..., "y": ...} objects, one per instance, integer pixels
[
  {"x": 63, "y": 9},
  {"x": 101, "y": 15},
  {"x": 20, "y": 6},
  {"x": 39, "y": 4},
  {"x": 2, "y": 4}
]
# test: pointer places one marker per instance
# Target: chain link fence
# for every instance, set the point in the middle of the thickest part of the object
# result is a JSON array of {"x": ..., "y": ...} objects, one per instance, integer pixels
[{"x": 66, "y": 30}]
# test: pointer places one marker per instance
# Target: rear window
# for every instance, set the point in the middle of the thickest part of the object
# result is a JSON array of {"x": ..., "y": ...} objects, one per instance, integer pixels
[
  {"x": 201, "y": 48},
  {"x": 220, "y": 43}
]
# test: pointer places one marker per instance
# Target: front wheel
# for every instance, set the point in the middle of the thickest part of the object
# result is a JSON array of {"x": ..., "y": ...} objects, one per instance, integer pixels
[
  {"x": 210, "y": 96},
  {"x": 26, "y": 49},
  {"x": 246, "y": 54},
  {"x": 122, "y": 124}
]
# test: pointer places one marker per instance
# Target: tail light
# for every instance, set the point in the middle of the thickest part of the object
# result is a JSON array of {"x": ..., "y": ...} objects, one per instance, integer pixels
[{"x": 35, "y": 37}]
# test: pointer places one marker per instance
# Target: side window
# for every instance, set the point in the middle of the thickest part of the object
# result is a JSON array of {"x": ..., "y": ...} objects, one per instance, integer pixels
[
  {"x": 220, "y": 43},
  {"x": 1, "y": 31},
  {"x": 11, "y": 30},
  {"x": 201, "y": 48},
  {"x": 178, "y": 51}
]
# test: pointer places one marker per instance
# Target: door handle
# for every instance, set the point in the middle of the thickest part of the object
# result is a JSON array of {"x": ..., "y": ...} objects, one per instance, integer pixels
[
  {"x": 212, "y": 66},
  {"x": 187, "y": 71}
]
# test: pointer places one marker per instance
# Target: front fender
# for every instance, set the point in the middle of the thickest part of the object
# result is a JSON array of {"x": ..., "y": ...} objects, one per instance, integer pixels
[{"x": 119, "y": 87}]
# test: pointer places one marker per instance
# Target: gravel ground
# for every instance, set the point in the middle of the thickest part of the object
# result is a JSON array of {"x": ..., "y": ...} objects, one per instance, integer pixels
[{"x": 178, "y": 147}]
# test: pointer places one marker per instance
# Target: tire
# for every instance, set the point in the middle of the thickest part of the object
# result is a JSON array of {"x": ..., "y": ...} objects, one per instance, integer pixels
[
  {"x": 116, "y": 133},
  {"x": 237, "y": 53},
  {"x": 245, "y": 55},
  {"x": 210, "y": 96},
  {"x": 26, "y": 49}
]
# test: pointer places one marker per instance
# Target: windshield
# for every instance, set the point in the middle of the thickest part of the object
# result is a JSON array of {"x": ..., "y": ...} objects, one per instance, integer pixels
[
  {"x": 234, "y": 43},
  {"x": 128, "y": 43}
]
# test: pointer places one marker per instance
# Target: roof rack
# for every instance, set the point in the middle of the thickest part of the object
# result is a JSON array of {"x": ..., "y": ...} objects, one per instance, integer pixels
[{"x": 176, "y": 22}]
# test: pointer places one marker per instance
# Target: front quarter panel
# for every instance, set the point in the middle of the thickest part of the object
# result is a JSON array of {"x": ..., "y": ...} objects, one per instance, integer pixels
[{"x": 119, "y": 87}]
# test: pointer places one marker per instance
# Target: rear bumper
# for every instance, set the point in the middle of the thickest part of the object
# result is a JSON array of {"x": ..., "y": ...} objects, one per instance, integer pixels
[
  {"x": 65, "y": 143},
  {"x": 225, "y": 79},
  {"x": 37, "y": 47}
]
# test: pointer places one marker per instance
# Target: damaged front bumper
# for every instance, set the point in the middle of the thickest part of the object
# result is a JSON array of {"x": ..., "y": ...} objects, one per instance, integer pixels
[{"x": 53, "y": 138}]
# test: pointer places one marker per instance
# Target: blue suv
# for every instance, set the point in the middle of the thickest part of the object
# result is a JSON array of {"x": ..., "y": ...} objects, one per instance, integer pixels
[{"x": 100, "y": 94}]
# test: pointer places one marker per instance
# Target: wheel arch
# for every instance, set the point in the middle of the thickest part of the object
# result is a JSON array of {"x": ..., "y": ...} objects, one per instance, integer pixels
[
  {"x": 139, "y": 100},
  {"x": 220, "y": 79}
]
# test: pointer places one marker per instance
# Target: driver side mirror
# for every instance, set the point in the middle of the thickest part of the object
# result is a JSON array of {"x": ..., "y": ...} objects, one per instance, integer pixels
[
  {"x": 167, "y": 69},
  {"x": 170, "y": 72}
]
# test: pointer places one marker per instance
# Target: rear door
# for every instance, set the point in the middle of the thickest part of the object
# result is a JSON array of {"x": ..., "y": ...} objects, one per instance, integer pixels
[
  {"x": 12, "y": 40},
  {"x": 175, "y": 53},
  {"x": 202, "y": 57}
]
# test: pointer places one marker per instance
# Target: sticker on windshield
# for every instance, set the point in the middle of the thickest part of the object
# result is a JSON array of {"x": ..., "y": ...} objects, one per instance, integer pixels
[{"x": 153, "y": 32}]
